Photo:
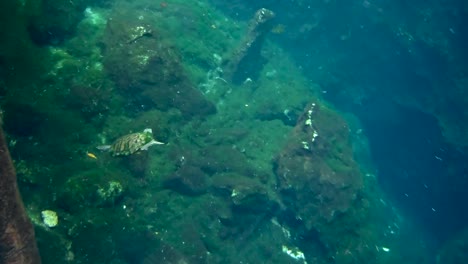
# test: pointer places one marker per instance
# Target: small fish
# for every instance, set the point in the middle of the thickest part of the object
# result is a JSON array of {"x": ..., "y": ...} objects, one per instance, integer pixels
[{"x": 91, "y": 155}]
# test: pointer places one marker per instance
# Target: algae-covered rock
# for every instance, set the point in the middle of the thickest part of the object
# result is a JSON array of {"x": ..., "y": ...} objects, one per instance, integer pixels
[
  {"x": 246, "y": 195},
  {"x": 317, "y": 176},
  {"x": 223, "y": 158},
  {"x": 144, "y": 66},
  {"x": 189, "y": 180},
  {"x": 319, "y": 184},
  {"x": 246, "y": 61},
  {"x": 252, "y": 199},
  {"x": 110, "y": 193},
  {"x": 56, "y": 20},
  {"x": 94, "y": 236},
  {"x": 54, "y": 245},
  {"x": 90, "y": 189}
]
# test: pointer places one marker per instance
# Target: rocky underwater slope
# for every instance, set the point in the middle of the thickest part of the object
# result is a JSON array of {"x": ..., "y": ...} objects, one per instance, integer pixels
[{"x": 254, "y": 169}]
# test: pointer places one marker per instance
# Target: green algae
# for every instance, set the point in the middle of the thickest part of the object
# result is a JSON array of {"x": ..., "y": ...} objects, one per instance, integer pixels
[{"x": 233, "y": 149}]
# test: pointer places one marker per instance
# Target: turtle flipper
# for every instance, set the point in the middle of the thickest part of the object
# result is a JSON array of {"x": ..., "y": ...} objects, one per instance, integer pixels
[
  {"x": 104, "y": 147},
  {"x": 151, "y": 143}
]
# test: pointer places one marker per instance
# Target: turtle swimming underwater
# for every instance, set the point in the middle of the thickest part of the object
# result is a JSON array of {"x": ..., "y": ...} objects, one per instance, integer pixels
[{"x": 132, "y": 143}]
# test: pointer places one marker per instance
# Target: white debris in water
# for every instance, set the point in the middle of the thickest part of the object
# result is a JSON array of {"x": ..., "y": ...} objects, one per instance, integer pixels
[
  {"x": 385, "y": 249},
  {"x": 295, "y": 253},
  {"x": 49, "y": 218}
]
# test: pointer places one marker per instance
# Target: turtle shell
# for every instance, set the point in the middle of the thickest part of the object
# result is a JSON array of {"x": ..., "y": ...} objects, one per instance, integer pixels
[{"x": 129, "y": 144}]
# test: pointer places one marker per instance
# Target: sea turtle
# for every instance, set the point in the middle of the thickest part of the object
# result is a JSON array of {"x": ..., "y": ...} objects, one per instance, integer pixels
[{"x": 132, "y": 143}]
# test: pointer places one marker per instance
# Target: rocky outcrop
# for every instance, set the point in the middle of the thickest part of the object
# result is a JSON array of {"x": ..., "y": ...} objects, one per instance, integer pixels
[
  {"x": 317, "y": 177},
  {"x": 146, "y": 69},
  {"x": 246, "y": 61},
  {"x": 188, "y": 180},
  {"x": 17, "y": 242}
]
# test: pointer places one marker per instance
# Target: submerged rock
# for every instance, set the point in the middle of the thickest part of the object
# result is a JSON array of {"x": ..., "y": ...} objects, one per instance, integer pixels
[
  {"x": 110, "y": 193},
  {"x": 317, "y": 177},
  {"x": 146, "y": 68},
  {"x": 246, "y": 61},
  {"x": 188, "y": 180},
  {"x": 90, "y": 189},
  {"x": 246, "y": 195}
]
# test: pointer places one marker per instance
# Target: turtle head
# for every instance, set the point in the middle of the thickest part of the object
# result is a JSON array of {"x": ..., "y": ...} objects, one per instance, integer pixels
[{"x": 149, "y": 140}]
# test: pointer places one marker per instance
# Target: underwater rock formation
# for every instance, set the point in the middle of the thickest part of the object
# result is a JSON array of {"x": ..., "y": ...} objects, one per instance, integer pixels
[
  {"x": 17, "y": 242},
  {"x": 245, "y": 195},
  {"x": 167, "y": 253},
  {"x": 55, "y": 21},
  {"x": 147, "y": 69},
  {"x": 90, "y": 189},
  {"x": 22, "y": 119},
  {"x": 188, "y": 180},
  {"x": 317, "y": 177},
  {"x": 455, "y": 250},
  {"x": 246, "y": 61}
]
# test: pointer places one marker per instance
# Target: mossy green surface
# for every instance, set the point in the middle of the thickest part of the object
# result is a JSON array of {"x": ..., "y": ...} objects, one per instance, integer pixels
[{"x": 77, "y": 107}]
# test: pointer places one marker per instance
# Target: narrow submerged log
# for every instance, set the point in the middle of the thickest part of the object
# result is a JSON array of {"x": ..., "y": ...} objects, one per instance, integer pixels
[
  {"x": 246, "y": 61},
  {"x": 17, "y": 242}
]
